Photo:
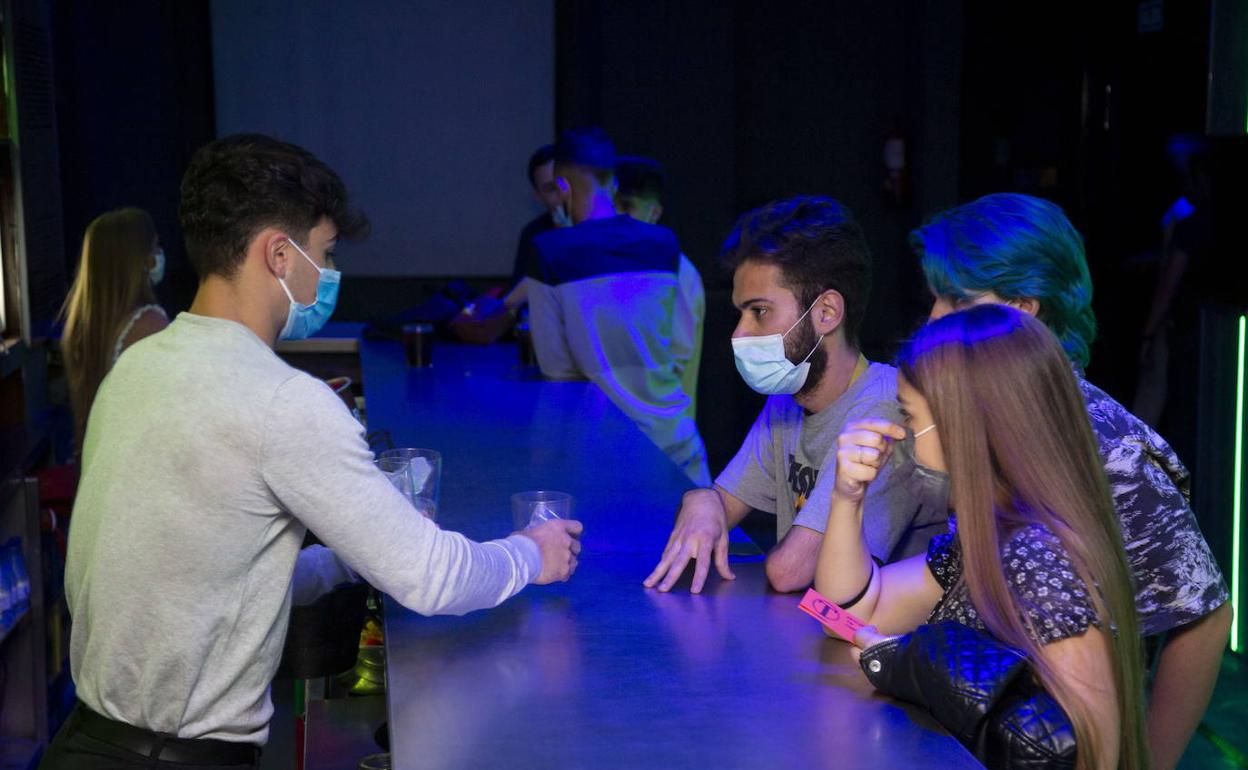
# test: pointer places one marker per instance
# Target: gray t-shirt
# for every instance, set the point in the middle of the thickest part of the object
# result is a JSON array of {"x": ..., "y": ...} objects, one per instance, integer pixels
[
  {"x": 205, "y": 457},
  {"x": 787, "y": 466}
]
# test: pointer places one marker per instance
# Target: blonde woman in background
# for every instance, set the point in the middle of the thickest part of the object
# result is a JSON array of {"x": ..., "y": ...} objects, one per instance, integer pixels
[{"x": 111, "y": 304}]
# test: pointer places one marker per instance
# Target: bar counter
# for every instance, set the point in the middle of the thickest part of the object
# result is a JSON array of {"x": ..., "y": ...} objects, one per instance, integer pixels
[{"x": 601, "y": 672}]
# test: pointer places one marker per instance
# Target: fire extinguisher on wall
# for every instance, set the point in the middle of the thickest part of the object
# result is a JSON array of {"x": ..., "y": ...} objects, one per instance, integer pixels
[{"x": 895, "y": 167}]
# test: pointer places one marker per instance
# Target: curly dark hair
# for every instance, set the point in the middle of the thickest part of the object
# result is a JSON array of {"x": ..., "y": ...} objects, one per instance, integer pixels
[
  {"x": 237, "y": 186},
  {"x": 817, "y": 245}
]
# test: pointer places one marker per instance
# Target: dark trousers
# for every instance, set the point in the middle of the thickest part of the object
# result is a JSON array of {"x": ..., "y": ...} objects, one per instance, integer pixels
[{"x": 73, "y": 749}]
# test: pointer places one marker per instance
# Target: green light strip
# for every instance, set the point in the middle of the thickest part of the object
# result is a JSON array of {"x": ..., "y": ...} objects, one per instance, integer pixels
[
  {"x": 1237, "y": 497},
  {"x": 1236, "y": 757}
]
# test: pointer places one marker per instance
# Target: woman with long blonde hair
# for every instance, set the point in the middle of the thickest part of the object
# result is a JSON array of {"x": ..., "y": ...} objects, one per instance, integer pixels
[
  {"x": 111, "y": 304},
  {"x": 995, "y": 422}
]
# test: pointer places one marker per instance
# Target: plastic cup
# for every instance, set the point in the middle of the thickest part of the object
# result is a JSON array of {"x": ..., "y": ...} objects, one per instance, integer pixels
[
  {"x": 528, "y": 509},
  {"x": 399, "y": 472},
  {"x": 375, "y": 762},
  {"x": 425, "y": 477}
]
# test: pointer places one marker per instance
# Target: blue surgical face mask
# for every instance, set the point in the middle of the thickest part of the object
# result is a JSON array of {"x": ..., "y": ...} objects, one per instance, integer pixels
[
  {"x": 559, "y": 215},
  {"x": 302, "y": 321},
  {"x": 158, "y": 270},
  {"x": 764, "y": 366}
]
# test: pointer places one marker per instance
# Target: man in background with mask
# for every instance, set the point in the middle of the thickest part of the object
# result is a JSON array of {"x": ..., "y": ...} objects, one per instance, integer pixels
[
  {"x": 545, "y": 192},
  {"x": 801, "y": 279},
  {"x": 614, "y": 300},
  {"x": 206, "y": 459}
]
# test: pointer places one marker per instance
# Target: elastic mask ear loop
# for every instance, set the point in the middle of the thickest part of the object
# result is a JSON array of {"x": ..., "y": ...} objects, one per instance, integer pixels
[
  {"x": 925, "y": 430},
  {"x": 286, "y": 288},
  {"x": 299, "y": 249},
  {"x": 798, "y": 321},
  {"x": 812, "y": 350},
  {"x": 281, "y": 282}
]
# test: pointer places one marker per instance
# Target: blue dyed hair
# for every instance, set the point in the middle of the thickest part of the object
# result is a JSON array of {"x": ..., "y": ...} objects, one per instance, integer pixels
[{"x": 1017, "y": 247}]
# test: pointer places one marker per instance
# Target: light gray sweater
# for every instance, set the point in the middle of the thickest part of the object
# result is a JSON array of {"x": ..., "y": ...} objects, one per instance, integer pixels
[{"x": 205, "y": 457}]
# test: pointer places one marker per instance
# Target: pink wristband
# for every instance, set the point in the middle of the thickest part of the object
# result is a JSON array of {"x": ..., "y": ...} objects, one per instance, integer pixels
[{"x": 841, "y": 622}]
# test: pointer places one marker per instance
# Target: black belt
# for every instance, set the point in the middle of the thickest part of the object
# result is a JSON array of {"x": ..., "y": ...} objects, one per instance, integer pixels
[{"x": 168, "y": 748}]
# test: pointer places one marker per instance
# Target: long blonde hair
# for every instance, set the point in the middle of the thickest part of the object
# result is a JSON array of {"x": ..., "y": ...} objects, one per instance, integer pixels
[
  {"x": 113, "y": 280},
  {"x": 1020, "y": 450}
]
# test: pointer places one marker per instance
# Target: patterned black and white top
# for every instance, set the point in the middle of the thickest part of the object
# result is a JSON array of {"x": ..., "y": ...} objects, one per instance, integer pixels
[
  {"x": 1176, "y": 577},
  {"x": 1038, "y": 570}
]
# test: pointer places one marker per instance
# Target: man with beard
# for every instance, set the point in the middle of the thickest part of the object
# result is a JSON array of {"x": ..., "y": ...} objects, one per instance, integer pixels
[{"x": 801, "y": 279}]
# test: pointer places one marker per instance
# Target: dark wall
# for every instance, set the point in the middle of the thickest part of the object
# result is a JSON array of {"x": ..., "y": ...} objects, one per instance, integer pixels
[
  {"x": 661, "y": 77},
  {"x": 1074, "y": 103},
  {"x": 1157, "y": 81},
  {"x": 33, "y": 78},
  {"x": 134, "y": 101},
  {"x": 428, "y": 111},
  {"x": 820, "y": 87},
  {"x": 748, "y": 102}
]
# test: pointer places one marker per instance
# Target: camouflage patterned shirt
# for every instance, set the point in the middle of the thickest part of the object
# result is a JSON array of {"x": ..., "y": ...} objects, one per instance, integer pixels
[{"x": 1176, "y": 577}]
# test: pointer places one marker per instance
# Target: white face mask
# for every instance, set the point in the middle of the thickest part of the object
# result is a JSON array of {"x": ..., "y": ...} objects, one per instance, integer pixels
[
  {"x": 764, "y": 366},
  {"x": 157, "y": 273}
]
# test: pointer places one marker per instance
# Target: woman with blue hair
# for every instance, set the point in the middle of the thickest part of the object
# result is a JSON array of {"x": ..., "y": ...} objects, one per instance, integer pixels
[{"x": 1022, "y": 251}]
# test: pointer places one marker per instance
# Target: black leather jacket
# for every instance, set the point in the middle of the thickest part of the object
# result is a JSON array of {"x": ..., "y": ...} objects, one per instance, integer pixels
[{"x": 980, "y": 690}]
